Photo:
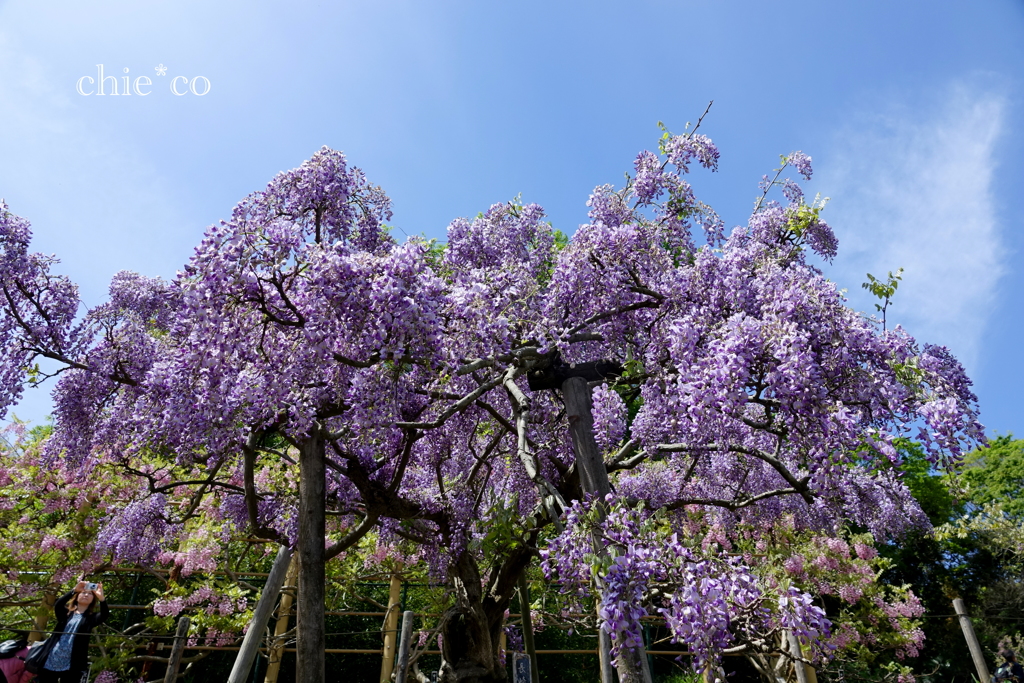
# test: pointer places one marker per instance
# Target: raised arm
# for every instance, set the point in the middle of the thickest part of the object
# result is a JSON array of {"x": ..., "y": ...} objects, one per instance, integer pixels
[
  {"x": 60, "y": 608},
  {"x": 104, "y": 612}
]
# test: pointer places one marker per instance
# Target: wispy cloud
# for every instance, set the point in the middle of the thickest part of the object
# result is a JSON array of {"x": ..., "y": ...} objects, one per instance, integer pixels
[{"x": 912, "y": 188}]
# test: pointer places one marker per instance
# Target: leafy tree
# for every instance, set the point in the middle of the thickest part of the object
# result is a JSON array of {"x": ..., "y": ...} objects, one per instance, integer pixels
[
  {"x": 995, "y": 475},
  {"x": 55, "y": 520},
  {"x": 991, "y": 522},
  {"x": 970, "y": 555}
]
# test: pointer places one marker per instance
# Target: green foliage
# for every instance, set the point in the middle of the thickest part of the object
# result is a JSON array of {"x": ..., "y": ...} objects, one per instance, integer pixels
[
  {"x": 804, "y": 216},
  {"x": 975, "y": 553},
  {"x": 995, "y": 475},
  {"x": 884, "y": 290},
  {"x": 434, "y": 255},
  {"x": 934, "y": 491},
  {"x": 561, "y": 240}
]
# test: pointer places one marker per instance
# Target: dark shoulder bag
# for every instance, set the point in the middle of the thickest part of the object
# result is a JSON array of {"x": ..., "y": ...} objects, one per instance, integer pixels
[{"x": 37, "y": 656}]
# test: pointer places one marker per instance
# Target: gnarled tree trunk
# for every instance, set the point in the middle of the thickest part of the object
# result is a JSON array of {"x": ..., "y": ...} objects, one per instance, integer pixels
[{"x": 472, "y": 629}]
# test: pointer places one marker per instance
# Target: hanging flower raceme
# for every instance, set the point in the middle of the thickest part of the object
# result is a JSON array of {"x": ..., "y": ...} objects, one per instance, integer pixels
[{"x": 709, "y": 601}]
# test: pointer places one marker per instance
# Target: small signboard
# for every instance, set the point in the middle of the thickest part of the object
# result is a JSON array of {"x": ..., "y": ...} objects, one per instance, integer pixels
[{"x": 521, "y": 668}]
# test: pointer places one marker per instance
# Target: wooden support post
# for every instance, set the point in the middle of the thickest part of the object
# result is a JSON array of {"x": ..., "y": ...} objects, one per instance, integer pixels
[
  {"x": 794, "y": 649},
  {"x": 174, "y": 661},
  {"x": 524, "y": 608},
  {"x": 404, "y": 645},
  {"x": 604, "y": 656},
  {"x": 284, "y": 613},
  {"x": 972, "y": 641},
  {"x": 594, "y": 478},
  {"x": 812, "y": 675},
  {"x": 579, "y": 410},
  {"x": 42, "y": 616},
  {"x": 387, "y": 665},
  {"x": 310, "y": 640},
  {"x": 261, "y": 617}
]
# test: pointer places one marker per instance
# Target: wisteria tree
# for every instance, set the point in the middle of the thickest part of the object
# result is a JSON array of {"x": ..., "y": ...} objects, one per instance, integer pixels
[{"x": 441, "y": 394}]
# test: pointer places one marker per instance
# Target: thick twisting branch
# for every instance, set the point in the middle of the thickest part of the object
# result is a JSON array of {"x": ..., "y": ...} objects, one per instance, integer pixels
[
  {"x": 352, "y": 537},
  {"x": 251, "y": 496},
  {"x": 521, "y": 405}
]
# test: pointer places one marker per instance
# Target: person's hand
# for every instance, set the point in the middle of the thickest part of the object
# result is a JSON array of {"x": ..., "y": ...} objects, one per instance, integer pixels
[
  {"x": 99, "y": 592},
  {"x": 80, "y": 586}
]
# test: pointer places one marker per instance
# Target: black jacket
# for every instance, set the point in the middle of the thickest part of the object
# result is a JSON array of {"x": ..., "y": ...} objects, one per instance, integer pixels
[{"x": 80, "y": 648}]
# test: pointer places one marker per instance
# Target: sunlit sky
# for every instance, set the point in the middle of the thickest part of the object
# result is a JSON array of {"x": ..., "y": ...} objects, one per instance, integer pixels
[{"x": 912, "y": 112}]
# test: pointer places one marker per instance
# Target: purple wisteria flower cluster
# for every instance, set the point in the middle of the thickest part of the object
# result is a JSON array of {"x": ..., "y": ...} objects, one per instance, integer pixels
[{"x": 710, "y": 601}]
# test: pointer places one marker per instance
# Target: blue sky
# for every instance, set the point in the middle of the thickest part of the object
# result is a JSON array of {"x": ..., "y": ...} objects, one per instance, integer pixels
[{"x": 911, "y": 111}]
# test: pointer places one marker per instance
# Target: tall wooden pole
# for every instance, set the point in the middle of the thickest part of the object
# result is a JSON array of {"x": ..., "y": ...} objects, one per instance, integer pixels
[
  {"x": 284, "y": 613},
  {"x": 812, "y": 675},
  {"x": 579, "y": 410},
  {"x": 524, "y": 608},
  {"x": 593, "y": 477},
  {"x": 310, "y": 641},
  {"x": 972, "y": 640},
  {"x": 794, "y": 649},
  {"x": 404, "y": 645},
  {"x": 261, "y": 617},
  {"x": 174, "y": 661},
  {"x": 604, "y": 656},
  {"x": 391, "y": 628}
]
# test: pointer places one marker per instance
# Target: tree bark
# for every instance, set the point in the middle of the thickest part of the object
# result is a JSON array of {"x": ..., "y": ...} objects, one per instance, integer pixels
[
  {"x": 42, "y": 616},
  {"x": 309, "y": 664},
  {"x": 468, "y": 647},
  {"x": 473, "y": 627}
]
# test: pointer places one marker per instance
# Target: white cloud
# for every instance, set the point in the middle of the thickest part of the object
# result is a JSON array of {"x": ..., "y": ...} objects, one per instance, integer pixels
[{"x": 912, "y": 188}]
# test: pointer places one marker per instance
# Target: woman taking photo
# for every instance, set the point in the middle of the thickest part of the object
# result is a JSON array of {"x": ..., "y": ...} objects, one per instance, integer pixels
[{"x": 76, "y": 617}]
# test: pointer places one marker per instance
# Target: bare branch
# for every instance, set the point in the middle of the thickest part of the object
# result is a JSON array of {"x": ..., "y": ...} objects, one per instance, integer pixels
[
  {"x": 798, "y": 485},
  {"x": 616, "y": 463},
  {"x": 352, "y": 537},
  {"x": 614, "y": 312},
  {"x": 456, "y": 407}
]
